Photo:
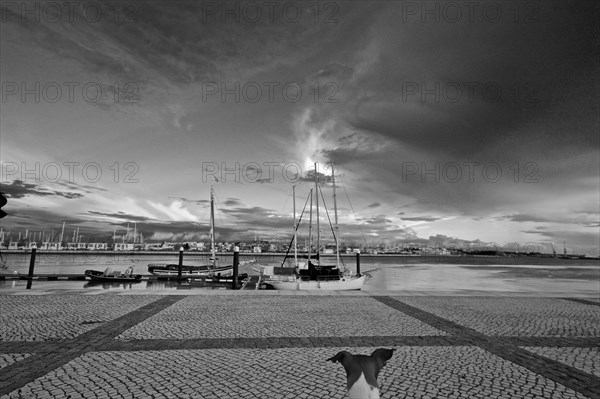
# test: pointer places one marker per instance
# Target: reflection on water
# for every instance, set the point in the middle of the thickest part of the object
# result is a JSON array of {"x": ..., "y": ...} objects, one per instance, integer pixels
[
  {"x": 165, "y": 284},
  {"x": 156, "y": 285},
  {"x": 111, "y": 285},
  {"x": 486, "y": 279}
]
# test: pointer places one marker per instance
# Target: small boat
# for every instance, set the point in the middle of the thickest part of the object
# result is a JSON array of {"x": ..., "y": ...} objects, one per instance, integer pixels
[
  {"x": 169, "y": 269},
  {"x": 113, "y": 276},
  {"x": 326, "y": 278}
]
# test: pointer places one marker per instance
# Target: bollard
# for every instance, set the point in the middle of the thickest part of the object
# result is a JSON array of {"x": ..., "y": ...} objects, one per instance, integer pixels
[
  {"x": 358, "y": 263},
  {"x": 180, "y": 264},
  {"x": 236, "y": 262},
  {"x": 31, "y": 266}
]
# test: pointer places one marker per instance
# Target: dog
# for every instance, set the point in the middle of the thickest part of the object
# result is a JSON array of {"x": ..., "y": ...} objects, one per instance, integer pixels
[{"x": 362, "y": 372}]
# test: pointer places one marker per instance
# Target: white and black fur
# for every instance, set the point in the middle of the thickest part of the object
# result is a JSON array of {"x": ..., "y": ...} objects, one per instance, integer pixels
[{"x": 362, "y": 372}]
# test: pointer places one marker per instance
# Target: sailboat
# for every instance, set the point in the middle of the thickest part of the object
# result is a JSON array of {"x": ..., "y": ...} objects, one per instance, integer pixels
[
  {"x": 312, "y": 275},
  {"x": 212, "y": 268}
]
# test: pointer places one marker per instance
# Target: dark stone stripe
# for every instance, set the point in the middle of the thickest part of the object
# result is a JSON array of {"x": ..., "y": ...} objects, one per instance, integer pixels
[
  {"x": 571, "y": 377},
  {"x": 450, "y": 327},
  {"x": 556, "y": 342},
  {"x": 279, "y": 342},
  {"x": 584, "y": 301},
  {"x": 294, "y": 342},
  {"x": 59, "y": 353}
]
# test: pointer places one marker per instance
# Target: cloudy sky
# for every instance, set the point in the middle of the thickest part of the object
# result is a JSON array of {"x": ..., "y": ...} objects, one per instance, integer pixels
[{"x": 446, "y": 121}]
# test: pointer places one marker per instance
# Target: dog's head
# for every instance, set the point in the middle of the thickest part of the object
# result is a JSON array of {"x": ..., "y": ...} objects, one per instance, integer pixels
[{"x": 357, "y": 365}]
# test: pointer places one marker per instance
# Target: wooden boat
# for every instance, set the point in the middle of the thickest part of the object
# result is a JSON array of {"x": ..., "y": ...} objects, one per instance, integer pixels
[
  {"x": 169, "y": 269},
  {"x": 109, "y": 276},
  {"x": 312, "y": 275},
  {"x": 162, "y": 269}
]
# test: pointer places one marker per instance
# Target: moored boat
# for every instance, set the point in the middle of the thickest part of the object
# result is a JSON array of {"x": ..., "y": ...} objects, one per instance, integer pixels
[
  {"x": 212, "y": 268},
  {"x": 113, "y": 276},
  {"x": 168, "y": 269},
  {"x": 311, "y": 274}
]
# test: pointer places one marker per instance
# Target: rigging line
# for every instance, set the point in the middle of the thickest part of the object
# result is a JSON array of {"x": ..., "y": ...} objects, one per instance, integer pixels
[
  {"x": 298, "y": 184},
  {"x": 219, "y": 213},
  {"x": 296, "y": 229},
  {"x": 331, "y": 225},
  {"x": 286, "y": 201},
  {"x": 362, "y": 233}
]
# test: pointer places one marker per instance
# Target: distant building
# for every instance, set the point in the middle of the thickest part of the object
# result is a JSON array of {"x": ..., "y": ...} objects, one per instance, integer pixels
[
  {"x": 123, "y": 247},
  {"x": 55, "y": 246},
  {"x": 97, "y": 246}
]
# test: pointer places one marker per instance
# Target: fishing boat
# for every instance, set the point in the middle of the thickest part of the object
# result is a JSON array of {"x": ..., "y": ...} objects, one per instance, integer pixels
[
  {"x": 113, "y": 276},
  {"x": 212, "y": 268},
  {"x": 169, "y": 269},
  {"x": 311, "y": 274}
]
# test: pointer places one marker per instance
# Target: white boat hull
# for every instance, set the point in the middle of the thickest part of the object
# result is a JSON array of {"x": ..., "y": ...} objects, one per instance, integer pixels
[{"x": 344, "y": 284}]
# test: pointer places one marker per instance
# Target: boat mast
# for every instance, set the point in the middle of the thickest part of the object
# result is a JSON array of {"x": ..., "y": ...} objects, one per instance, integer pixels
[
  {"x": 317, "y": 205},
  {"x": 337, "y": 229},
  {"x": 62, "y": 233},
  {"x": 310, "y": 225},
  {"x": 294, "y": 226},
  {"x": 212, "y": 226}
]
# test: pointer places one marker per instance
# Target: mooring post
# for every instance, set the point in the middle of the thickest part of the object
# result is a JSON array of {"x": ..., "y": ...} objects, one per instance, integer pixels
[
  {"x": 358, "y": 263},
  {"x": 180, "y": 264},
  {"x": 31, "y": 266},
  {"x": 236, "y": 262}
]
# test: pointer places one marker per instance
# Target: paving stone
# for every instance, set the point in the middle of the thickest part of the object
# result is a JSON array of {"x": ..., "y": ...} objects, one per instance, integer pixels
[
  {"x": 586, "y": 359},
  {"x": 182, "y": 347},
  {"x": 415, "y": 372},
  {"x": 49, "y": 317},
  {"x": 266, "y": 316},
  {"x": 10, "y": 358},
  {"x": 502, "y": 316}
]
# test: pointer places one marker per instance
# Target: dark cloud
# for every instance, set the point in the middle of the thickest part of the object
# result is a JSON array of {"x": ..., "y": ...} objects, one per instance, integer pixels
[
  {"x": 421, "y": 219},
  {"x": 321, "y": 178},
  {"x": 537, "y": 61},
  {"x": 20, "y": 189},
  {"x": 377, "y": 220},
  {"x": 122, "y": 216},
  {"x": 191, "y": 201},
  {"x": 525, "y": 218},
  {"x": 232, "y": 202}
]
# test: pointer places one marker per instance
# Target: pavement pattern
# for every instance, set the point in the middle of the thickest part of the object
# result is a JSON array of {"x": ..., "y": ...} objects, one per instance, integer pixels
[{"x": 256, "y": 345}]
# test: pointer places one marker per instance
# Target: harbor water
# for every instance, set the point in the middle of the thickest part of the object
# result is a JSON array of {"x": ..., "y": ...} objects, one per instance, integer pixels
[{"x": 402, "y": 274}]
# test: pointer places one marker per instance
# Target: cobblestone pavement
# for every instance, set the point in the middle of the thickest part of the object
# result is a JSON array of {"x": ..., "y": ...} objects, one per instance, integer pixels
[{"x": 266, "y": 346}]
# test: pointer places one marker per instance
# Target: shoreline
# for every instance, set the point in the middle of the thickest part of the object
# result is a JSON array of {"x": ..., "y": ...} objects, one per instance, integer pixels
[{"x": 261, "y": 254}]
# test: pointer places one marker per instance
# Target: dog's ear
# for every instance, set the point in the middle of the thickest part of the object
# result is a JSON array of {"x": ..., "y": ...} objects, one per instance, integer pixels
[
  {"x": 382, "y": 355},
  {"x": 339, "y": 357}
]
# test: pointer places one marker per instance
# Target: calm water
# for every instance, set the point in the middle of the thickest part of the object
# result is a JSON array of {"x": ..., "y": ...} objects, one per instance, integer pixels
[{"x": 406, "y": 275}]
